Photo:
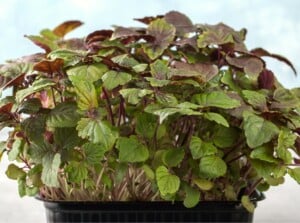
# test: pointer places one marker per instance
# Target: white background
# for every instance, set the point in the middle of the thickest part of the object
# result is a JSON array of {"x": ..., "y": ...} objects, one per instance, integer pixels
[{"x": 272, "y": 24}]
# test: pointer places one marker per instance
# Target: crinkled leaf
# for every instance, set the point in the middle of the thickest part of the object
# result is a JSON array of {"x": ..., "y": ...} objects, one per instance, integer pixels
[
  {"x": 76, "y": 171},
  {"x": 212, "y": 116},
  {"x": 123, "y": 32},
  {"x": 295, "y": 174},
  {"x": 14, "y": 172},
  {"x": 264, "y": 153},
  {"x": 38, "y": 85},
  {"x": 156, "y": 82},
  {"x": 91, "y": 72},
  {"x": 224, "y": 137},
  {"x": 66, "y": 138},
  {"x": 140, "y": 67},
  {"x": 199, "y": 148},
  {"x": 34, "y": 127},
  {"x": 246, "y": 202},
  {"x": 203, "y": 71},
  {"x": 167, "y": 183},
  {"x": 166, "y": 99},
  {"x": 125, "y": 61},
  {"x": 258, "y": 130},
  {"x": 51, "y": 163},
  {"x": 173, "y": 157},
  {"x": 131, "y": 150},
  {"x": 256, "y": 99},
  {"x": 159, "y": 69},
  {"x": 146, "y": 125},
  {"x": 66, "y": 27},
  {"x": 251, "y": 65},
  {"x": 192, "y": 197},
  {"x": 263, "y": 168},
  {"x": 30, "y": 106},
  {"x": 215, "y": 99},
  {"x": 286, "y": 140},
  {"x": 94, "y": 153},
  {"x": 63, "y": 115},
  {"x": 70, "y": 57},
  {"x": 212, "y": 167},
  {"x": 134, "y": 95},
  {"x": 181, "y": 22},
  {"x": 112, "y": 79},
  {"x": 284, "y": 99},
  {"x": 97, "y": 131},
  {"x": 164, "y": 34},
  {"x": 86, "y": 95}
]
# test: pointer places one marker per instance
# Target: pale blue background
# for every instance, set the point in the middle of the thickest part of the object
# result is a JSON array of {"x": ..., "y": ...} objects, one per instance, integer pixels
[{"x": 273, "y": 24}]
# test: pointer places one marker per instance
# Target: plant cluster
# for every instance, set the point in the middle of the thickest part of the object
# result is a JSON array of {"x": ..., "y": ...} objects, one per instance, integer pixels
[{"x": 168, "y": 111}]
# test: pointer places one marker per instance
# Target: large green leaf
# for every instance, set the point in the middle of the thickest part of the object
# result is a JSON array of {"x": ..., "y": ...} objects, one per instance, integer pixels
[
  {"x": 112, "y": 79},
  {"x": 77, "y": 171},
  {"x": 286, "y": 140},
  {"x": 16, "y": 149},
  {"x": 63, "y": 115},
  {"x": 212, "y": 116},
  {"x": 173, "y": 157},
  {"x": 14, "y": 172},
  {"x": 212, "y": 167},
  {"x": 125, "y": 61},
  {"x": 167, "y": 183},
  {"x": 86, "y": 95},
  {"x": 264, "y": 153},
  {"x": 134, "y": 95},
  {"x": 131, "y": 150},
  {"x": 97, "y": 131},
  {"x": 70, "y": 57},
  {"x": 34, "y": 127},
  {"x": 192, "y": 197},
  {"x": 258, "y": 130},
  {"x": 265, "y": 169},
  {"x": 66, "y": 138},
  {"x": 256, "y": 99},
  {"x": 91, "y": 72},
  {"x": 146, "y": 125},
  {"x": 164, "y": 34},
  {"x": 159, "y": 69},
  {"x": 215, "y": 99},
  {"x": 167, "y": 100},
  {"x": 199, "y": 148},
  {"x": 94, "y": 153},
  {"x": 224, "y": 137},
  {"x": 38, "y": 85},
  {"x": 51, "y": 163}
]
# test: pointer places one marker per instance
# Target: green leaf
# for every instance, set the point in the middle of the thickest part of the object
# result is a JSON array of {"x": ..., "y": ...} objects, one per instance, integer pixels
[
  {"x": 173, "y": 157},
  {"x": 149, "y": 172},
  {"x": 38, "y": 85},
  {"x": 15, "y": 150},
  {"x": 256, "y": 99},
  {"x": 258, "y": 130},
  {"x": 230, "y": 193},
  {"x": 63, "y": 115},
  {"x": 212, "y": 167},
  {"x": 51, "y": 163},
  {"x": 215, "y": 99},
  {"x": 125, "y": 61},
  {"x": 264, "y": 153},
  {"x": 34, "y": 127},
  {"x": 263, "y": 168},
  {"x": 159, "y": 70},
  {"x": 285, "y": 99},
  {"x": 66, "y": 138},
  {"x": 295, "y": 174},
  {"x": 166, "y": 99},
  {"x": 77, "y": 172},
  {"x": 224, "y": 137},
  {"x": 90, "y": 73},
  {"x": 192, "y": 197},
  {"x": 86, "y": 95},
  {"x": 112, "y": 79},
  {"x": 140, "y": 67},
  {"x": 70, "y": 57},
  {"x": 156, "y": 82},
  {"x": 286, "y": 140},
  {"x": 94, "y": 153},
  {"x": 164, "y": 34},
  {"x": 247, "y": 203},
  {"x": 216, "y": 118},
  {"x": 30, "y": 106},
  {"x": 134, "y": 95},
  {"x": 167, "y": 183},
  {"x": 14, "y": 172},
  {"x": 146, "y": 125},
  {"x": 203, "y": 184},
  {"x": 131, "y": 150},
  {"x": 199, "y": 148},
  {"x": 43, "y": 42},
  {"x": 97, "y": 131}
]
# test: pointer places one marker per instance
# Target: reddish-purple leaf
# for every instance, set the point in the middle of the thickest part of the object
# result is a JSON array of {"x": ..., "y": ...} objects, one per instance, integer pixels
[
  {"x": 181, "y": 22},
  {"x": 148, "y": 19},
  {"x": 66, "y": 27},
  {"x": 122, "y": 32},
  {"x": 262, "y": 52},
  {"x": 192, "y": 42},
  {"x": 49, "y": 66},
  {"x": 98, "y": 35},
  {"x": 266, "y": 79},
  {"x": 250, "y": 64}
]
